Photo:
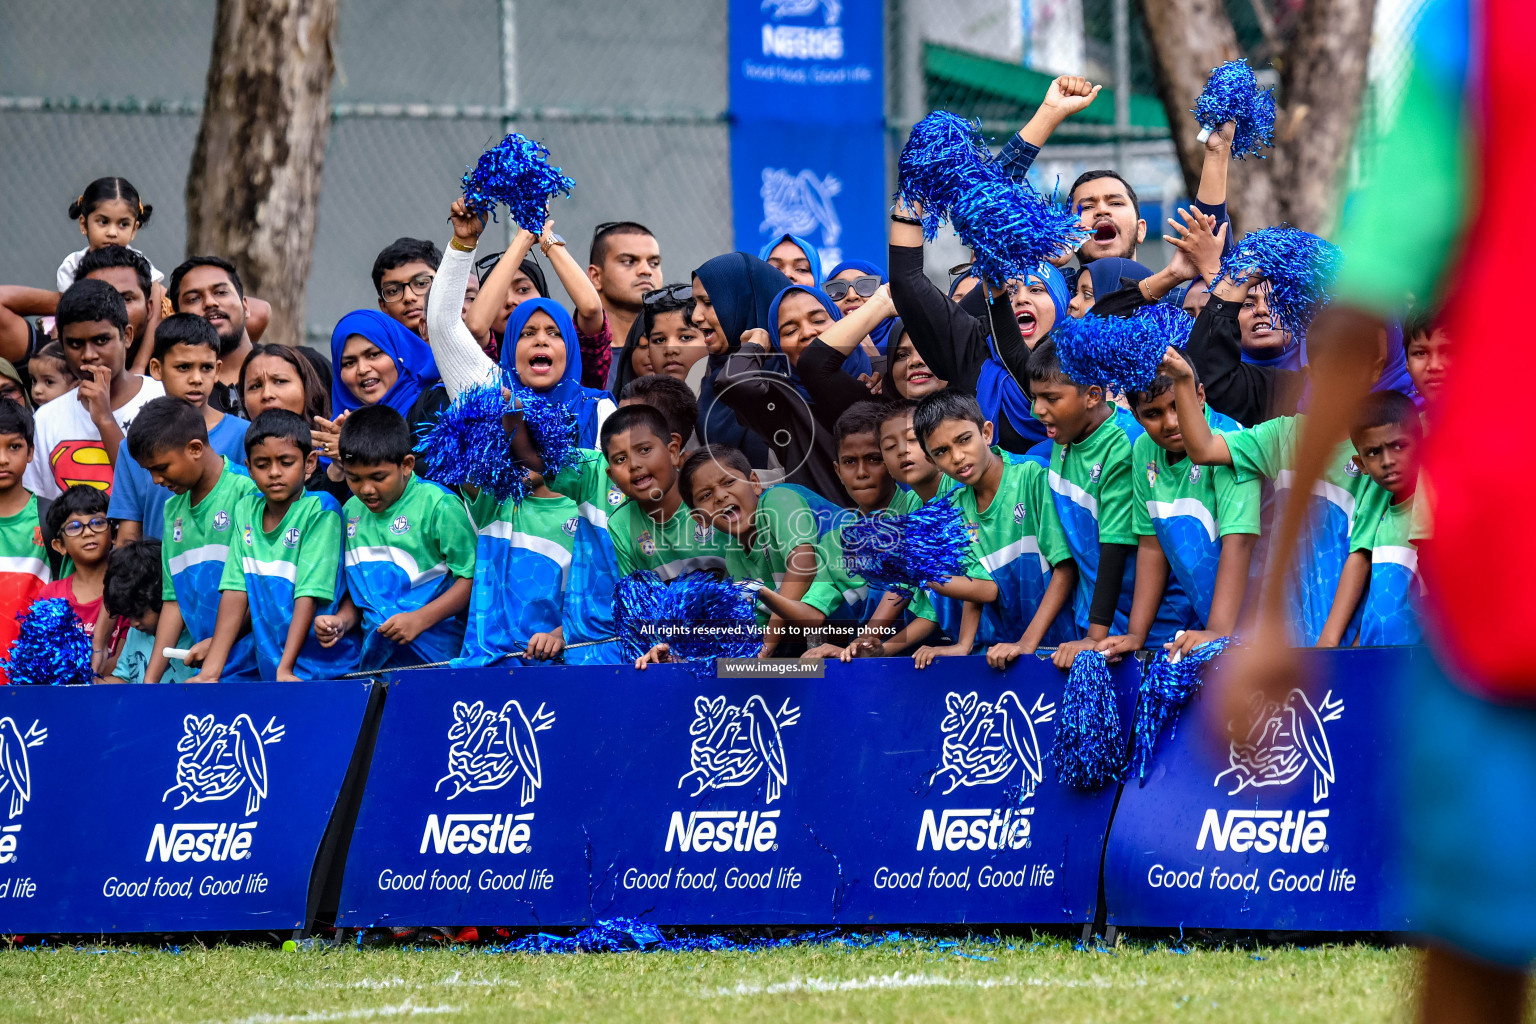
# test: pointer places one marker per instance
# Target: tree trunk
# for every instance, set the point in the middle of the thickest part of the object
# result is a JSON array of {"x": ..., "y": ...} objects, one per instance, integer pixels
[
  {"x": 1322, "y": 68},
  {"x": 254, "y": 185}
]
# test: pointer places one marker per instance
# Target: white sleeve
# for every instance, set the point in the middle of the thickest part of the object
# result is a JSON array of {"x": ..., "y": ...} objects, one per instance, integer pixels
[
  {"x": 36, "y": 477},
  {"x": 606, "y": 408},
  {"x": 66, "y": 275},
  {"x": 460, "y": 361}
]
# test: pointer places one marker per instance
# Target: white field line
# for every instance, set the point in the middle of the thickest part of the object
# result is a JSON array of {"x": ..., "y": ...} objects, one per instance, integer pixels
[
  {"x": 898, "y": 980},
  {"x": 400, "y": 1010},
  {"x": 454, "y": 980}
]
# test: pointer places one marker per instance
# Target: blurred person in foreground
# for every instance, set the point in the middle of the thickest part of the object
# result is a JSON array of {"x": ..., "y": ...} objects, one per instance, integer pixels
[{"x": 1470, "y": 713}]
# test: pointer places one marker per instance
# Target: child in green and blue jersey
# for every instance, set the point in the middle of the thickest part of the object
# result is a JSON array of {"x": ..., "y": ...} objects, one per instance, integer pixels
[
  {"x": 1007, "y": 508},
  {"x": 1381, "y": 577},
  {"x": 1090, "y": 481},
  {"x": 1197, "y": 527},
  {"x": 169, "y": 438},
  {"x": 284, "y": 566},
  {"x": 409, "y": 550}
]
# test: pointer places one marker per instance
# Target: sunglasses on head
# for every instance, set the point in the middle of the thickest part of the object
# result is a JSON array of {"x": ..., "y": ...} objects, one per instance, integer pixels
[
  {"x": 671, "y": 293},
  {"x": 862, "y": 286}
]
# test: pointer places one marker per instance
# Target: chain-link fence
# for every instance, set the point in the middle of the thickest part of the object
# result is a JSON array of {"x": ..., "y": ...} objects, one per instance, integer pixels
[{"x": 630, "y": 98}]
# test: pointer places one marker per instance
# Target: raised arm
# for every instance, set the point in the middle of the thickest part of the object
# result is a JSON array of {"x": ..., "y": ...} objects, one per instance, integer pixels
[
  {"x": 493, "y": 290},
  {"x": 1211, "y": 195},
  {"x": 460, "y": 361},
  {"x": 18, "y": 302},
  {"x": 951, "y": 341},
  {"x": 846, "y": 334},
  {"x": 1066, "y": 96},
  {"x": 589, "y": 306}
]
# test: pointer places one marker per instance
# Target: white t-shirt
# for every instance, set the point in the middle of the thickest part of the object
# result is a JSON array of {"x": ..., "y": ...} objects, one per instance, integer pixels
[
  {"x": 71, "y": 266},
  {"x": 67, "y": 447}
]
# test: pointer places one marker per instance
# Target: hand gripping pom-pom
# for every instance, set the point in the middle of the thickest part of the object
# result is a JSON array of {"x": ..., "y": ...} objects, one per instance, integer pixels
[
  {"x": 52, "y": 648},
  {"x": 1010, "y": 227},
  {"x": 1232, "y": 93},
  {"x": 1090, "y": 741},
  {"x": 1167, "y": 686},
  {"x": 942, "y": 155},
  {"x": 699, "y": 616},
  {"x": 1120, "y": 353},
  {"x": 1299, "y": 266},
  {"x": 926, "y": 544},
  {"x": 516, "y": 172},
  {"x": 469, "y": 445}
]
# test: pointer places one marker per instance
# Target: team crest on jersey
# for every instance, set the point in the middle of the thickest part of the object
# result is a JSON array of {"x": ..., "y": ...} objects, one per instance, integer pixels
[
  {"x": 570, "y": 526},
  {"x": 647, "y": 544},
  {"x": 974, "y": 531},
  {"x": 1194, "y": 474},
  {"x": 1352, "y": 468},
  {"x": 37, "y": 536},
  {"x": 1151, "y": 474},
  {"x": 702, "y": 532},
  {"x": 351, "y": 526},
  {"x": 1096, "y": 472},
  {"x": 221, "y": 520},
  {"x": 176, "y": 530},
  {"x": 1020, "y": 512},
  {"x": 615, "y": 496},
  {"x": 250, "y": 538},
  {"x": 291, "y": 538},
  {"x": 400, "y": 525}
]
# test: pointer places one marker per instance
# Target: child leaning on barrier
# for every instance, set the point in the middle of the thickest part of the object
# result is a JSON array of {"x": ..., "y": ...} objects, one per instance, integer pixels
[
  {"x": 133, "y": 591},
  {"x": 284, "y": 565},
  {"x": 169, "y": 438},
  {"x": 409, "y": 550}
]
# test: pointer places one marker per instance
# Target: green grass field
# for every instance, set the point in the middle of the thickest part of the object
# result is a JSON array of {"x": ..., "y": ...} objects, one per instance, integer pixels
[{"x": 1036, "y": 979}]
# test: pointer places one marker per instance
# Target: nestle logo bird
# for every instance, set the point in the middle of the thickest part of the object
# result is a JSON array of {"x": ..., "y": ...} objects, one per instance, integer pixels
[
  {"x": 15, "y": 772},
  {"x": 1282, "y": 742},
  {"x": 217, "y": 760},
  {"x": 984, "y": 743},
  {"x": 731, "y": 745},
  {"x": 487, "y": 748}
]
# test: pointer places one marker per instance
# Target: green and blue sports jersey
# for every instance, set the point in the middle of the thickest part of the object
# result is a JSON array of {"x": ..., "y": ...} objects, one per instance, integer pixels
[
  {"x": 192, "y": 555},
  {"x": 402, "y": 559},
  {"x": 670, "y": 549},
  {"x": 301, "y": 557},
  {"x": 1267, "y": 450},
  {"x": 787, "y": 516},
  {"x": 838, "y": 594},
  {"x": 1019, "y": 539},
  {"x": 594, "y": 573},
  {"x": 1189, "y": 508},
  {"x": 1091, "y": 489},
  {"x": 1389, "y": 612}
]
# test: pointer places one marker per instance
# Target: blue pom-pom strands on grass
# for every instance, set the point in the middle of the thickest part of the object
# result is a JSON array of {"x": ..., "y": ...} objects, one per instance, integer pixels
[
  {"x": 52, "y": 648},
  {"x": 906, "y": 551},
  {"x": 1120, "y": 353},
  {"x": 469, "y": 444},
  {"x": 699, "y": 616},
  {"x": 1232, "y": 93},
  {"x": 1299, "y": 267},
  {"x": 516, "y": 172},
  {"x": 947, "y": 170},
  {"x": 1167, "y": 686},
  {"x": 937, "y": 165},
  {"x": 1090, "y": 741}
]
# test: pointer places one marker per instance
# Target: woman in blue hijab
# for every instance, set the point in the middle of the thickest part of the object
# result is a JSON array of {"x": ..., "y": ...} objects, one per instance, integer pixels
[
  {"x": 855, "y": 365},
  {"x": 795, "y": 257},
  {"x": 541, "y": 352},
  {"x": 1001, "y": 396},
  {"x": 848, "y": 272},
  {"x": 376, "y": 360},
  {"x": 1100, "y": 279}
]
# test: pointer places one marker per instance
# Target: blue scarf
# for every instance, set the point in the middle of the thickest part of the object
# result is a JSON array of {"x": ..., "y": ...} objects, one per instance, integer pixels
[
  {"x": 996, "y": 390},
  {"x": 415, "y": 369},
  {"x": 741, "y": 287},
  {"x": 854, "y": 365},
  {"x": 811, "y": 255},
  {"x": 1107, "y": 273},
  {"x": 881, "y": 335},
  {"x": 568, "y": 390}
]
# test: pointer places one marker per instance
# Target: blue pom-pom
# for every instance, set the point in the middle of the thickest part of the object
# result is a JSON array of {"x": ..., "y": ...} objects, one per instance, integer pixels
[
  {"x": 1120, "y": 353},
  {"x": 552, "y": 428},
  {"x": 699, "y": 616},
  {"x": 941, "y": 157},
  {"x": 1232, "y": 93},
  {"x": 52, "y": 648},
  {"x": 1299, "y": 266},
  {"x": 1010, "y": 228},
  {"x": 1166, "y": 687},
  {"x": 469, "y": 446},
  {"x": 908, "y": 550},
  {"x": 1090, "y": 742},
  {"x": 516, "y": 171}
]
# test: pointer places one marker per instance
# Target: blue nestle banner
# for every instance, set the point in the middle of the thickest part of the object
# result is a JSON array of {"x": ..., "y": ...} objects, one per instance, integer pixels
[
  {"x": 1292, "y": 826},
  {"x": 168, "y": 808},
  {"x": 877, "y": 794},
  {"x": 807, "y": 116}
]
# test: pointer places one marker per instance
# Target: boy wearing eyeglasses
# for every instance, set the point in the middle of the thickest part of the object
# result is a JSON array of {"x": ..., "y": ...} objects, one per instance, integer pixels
[
  {"x": 402, "y": 275},
  {"x": 81, "y": 533}
]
